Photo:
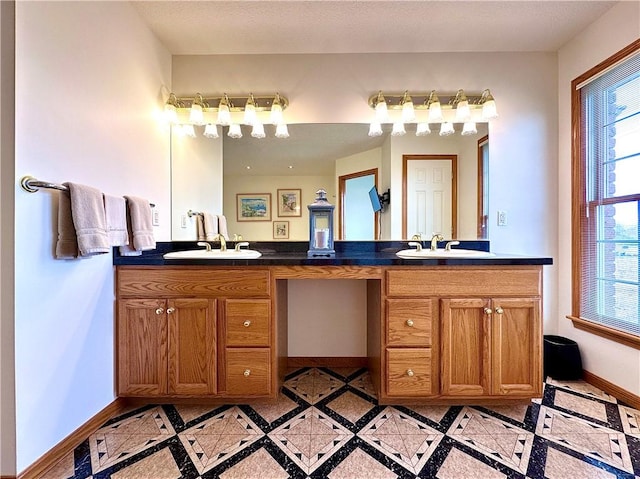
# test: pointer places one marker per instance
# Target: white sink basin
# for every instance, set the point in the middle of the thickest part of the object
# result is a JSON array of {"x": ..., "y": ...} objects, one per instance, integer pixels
[
  {"x": 441, "y": 253},
  {"x": 213, "y": 254}
]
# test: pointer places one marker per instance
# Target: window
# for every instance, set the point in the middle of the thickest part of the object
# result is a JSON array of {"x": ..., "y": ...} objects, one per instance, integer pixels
[{"x": 606, "y": 202}]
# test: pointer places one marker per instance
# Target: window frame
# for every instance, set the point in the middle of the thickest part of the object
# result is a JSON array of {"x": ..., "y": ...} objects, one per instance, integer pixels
[{"x": 580, "y": 205}]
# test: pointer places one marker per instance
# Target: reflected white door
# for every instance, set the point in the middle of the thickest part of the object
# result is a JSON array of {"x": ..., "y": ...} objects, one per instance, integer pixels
[{"x": 429, "y": 198}]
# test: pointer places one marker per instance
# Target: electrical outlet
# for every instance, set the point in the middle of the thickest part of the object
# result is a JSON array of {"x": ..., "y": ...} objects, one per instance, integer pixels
[
  {"x": 502, "y": 218},
  {"x": 183, "y": 221},
  {"x": 156, "y": 217}
]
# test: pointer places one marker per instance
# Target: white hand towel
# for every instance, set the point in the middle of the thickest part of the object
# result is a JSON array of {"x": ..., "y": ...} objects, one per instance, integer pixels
[
  {"x": 141, "y": 223},
  {"x": 67, "y": 244},
  {"x": 210, "y": 226},
  {"x": 200, "y": 234},
  {"x": 115, "y": 209},
  {"x": 222, "y": 226},
  {"x": 87, "y": 211}
]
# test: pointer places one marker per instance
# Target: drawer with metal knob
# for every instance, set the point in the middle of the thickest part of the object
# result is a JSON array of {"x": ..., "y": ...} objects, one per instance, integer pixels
[
  {"x": 411, "y": 322},
  {"x": 247, "y": 322},
  {"x": 410, "y": 372},
  {"x": 248, "y": 371}
]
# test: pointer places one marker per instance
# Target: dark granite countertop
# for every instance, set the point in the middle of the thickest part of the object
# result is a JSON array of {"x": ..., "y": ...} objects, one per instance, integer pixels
[{"x": 348, "y": 253}]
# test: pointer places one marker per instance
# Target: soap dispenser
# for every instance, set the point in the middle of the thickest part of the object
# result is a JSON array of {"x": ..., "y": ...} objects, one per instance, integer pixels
[{"x": 321, "y": 226}]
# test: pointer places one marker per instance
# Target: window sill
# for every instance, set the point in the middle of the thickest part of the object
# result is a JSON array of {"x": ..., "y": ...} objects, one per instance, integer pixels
[{"x": 612, "y": 334}]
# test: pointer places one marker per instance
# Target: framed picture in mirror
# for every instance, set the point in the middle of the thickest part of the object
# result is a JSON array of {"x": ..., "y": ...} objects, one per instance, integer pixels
[
  {"x": 280, "y": 230},
  {"x": 289, "y": 202},
  {"x": 253, "y": 206}
]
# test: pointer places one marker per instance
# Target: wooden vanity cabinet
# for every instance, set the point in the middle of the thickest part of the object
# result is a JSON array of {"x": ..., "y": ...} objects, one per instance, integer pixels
[
  {"x": 486, "y": 340},
  {"x": 194, "y": 332}
]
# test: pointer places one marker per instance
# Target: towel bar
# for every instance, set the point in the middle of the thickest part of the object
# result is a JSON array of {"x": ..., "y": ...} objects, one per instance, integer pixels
[
  {"x": 191, "y": 213},
  {"x": 31, "y": 185}
]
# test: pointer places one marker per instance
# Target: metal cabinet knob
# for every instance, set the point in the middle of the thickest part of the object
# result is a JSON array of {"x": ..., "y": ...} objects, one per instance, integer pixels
[
  {"x": 159, "y": 310},
  {"x": 488, "y": 311},
  {"x": 410, "y": 323},
  {"x": 246, "y": 373},
  {"x": 247, "y": 323},
  {"x": 410, "y": 373},
  {"x": 170, "y": 310},
  {"x": 499, "y": 310}
]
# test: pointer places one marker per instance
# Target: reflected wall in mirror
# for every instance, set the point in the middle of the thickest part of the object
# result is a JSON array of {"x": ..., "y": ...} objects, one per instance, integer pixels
[{"x": 207, "y": 174}]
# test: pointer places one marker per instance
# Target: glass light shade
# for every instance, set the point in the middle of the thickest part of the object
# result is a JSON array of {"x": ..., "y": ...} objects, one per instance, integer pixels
[
  {"x": 398, "y": 129},
  {"x": 382, "y": 113},
  {"x": 258, "y": 130},
  {"x": 170, "y": 113},
  {"x": 211, "y": 131},
  {"x": 224, "y": 115},
  {"x": 189, "y": 130},
  {"x": 435, "y": 112},
  {"x": 422, "y": 129},
  {"x": 375, "y": 129},
  {"x": 469, "y": 128},
  {"x": 197, "y": 115},
  {"x": 234, "y": 131},
  {"x": 489, "y": 110},
  {"x": 408, "y": 112},
  {"x": 250, "y": 114},
  {"x": 463, "y": 112},
  {"x": 446, "y": 128},
  {"x": 282, "y": 131},
  {"x": 276, "y": 114}
]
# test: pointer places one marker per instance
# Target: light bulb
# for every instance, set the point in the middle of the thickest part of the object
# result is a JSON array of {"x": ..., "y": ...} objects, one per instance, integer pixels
[
  {"x": 435, "y": 112},
  {"x": 398, "y": 129},
  {"x": 211, "y": 131},
  {"x": 408, "y": 112},
  {"x": 382, "y": 113},
  {"x": 422, "y": 129},
  {"x": 276, "y": 111},
  {"x": 258, "y": 130},
  {"x": 375, "y": 129},
  {"x": 196, "y": 116},
  {"x": 446, "y": 129},
  {"x": 250, "y": 111},
  {"x": 469, "y": 128},
  {"x": 234, "y": 131},
  {"x": 282, "y": 131},
  {"x": 463, "y": 112}
]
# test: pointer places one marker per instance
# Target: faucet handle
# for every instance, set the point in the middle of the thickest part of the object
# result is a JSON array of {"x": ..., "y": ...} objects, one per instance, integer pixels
[
  {"x": 449, "y": 244},
  {"x": 205, "y": 244},
  {"x": 241, "y": 244},
  {"x": 417, "y": 245},
  {"x": 417, "y": 237}
]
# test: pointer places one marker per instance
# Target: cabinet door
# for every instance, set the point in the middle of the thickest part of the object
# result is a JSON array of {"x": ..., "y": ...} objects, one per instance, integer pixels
[
  {"x": 516, "y": 347},
  {"x": 142, "y": 347},
  {"x": 465, "y": 358},
  {"x": 192, "y": 346}
]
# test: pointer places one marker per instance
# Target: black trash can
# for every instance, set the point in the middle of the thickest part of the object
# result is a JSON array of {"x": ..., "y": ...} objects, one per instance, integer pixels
[{"x": 562, "y": 358}]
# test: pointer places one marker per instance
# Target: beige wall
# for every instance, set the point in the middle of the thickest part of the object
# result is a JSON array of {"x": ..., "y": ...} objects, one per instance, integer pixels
[
  {"x": 616, "y": 29},
  {"x": 88, "y": 92}
]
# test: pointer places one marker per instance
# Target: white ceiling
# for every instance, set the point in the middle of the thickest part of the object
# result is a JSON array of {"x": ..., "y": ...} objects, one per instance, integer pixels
[{"x": 366, "y": 26}]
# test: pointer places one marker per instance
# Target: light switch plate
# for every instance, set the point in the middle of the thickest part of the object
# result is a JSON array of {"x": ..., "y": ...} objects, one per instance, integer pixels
[
  {"x": 156, "y": 217},
  {"x": 502, "y": 218}
]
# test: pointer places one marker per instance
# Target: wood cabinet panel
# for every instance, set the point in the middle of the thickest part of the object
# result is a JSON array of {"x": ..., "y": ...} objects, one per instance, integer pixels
[
  {"x": 248, "y": 371},
  {"x": 465, "y": 333},
  {"x": 464, "y": 281},
  {"x": 192, "y": 346},
  {"x": 167, "y": 282},
  {"x": 410, "y": 322},
  {"x": 247, "y": 322},
  {"x": 142, "y": 347},
  {"x": 410, "y": 372}
]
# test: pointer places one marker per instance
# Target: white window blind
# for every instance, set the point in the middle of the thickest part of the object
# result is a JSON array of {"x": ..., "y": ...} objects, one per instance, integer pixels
[{"x": 610, "y": 152}]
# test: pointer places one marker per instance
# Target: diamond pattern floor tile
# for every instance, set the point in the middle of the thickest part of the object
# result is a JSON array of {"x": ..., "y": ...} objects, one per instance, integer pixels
[{"x": 327, "y": 424}]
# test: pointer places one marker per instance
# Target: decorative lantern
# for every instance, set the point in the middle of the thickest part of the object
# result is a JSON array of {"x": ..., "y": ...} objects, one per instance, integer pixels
[{"x": 321, "y": 226}]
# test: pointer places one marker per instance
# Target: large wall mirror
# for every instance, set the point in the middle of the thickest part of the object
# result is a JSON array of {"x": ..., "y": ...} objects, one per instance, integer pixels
[{"x": 218, "y": 175}]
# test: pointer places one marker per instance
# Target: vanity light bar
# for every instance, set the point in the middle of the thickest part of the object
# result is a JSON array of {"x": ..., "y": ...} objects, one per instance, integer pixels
[{"x": 237, "y": 103}]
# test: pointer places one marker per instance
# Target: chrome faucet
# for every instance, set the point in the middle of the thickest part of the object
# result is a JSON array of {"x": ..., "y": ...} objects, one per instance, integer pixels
[
  {"x": 206, "y": 245},
  {"x": 434, "y": 241},
  {"x": 223, "y": 242}
]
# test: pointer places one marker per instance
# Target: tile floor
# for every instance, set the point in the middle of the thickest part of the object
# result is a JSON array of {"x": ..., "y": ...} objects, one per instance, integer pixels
[{"x": 327, "y": 424}]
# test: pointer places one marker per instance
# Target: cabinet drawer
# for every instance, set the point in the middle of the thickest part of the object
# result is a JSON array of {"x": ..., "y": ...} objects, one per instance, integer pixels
[
  {"x": 185, "y": 281},
  {"x": 410, "y": 321},
  {"x": 410, "y": 372},
  {"x": 248, "y": 371},
  {"x": 247, "y": 322},
  {"x": 456, "y": 281}
]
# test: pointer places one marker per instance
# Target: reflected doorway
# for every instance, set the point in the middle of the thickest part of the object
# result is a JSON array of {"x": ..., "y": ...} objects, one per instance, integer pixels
[
  {"x": 356, "y": 219},
  {"x": 429, "y": 195}
]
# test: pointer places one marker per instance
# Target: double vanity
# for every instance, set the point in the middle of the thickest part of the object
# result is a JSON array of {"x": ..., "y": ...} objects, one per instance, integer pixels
[{"x": 459, "y": 326}]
